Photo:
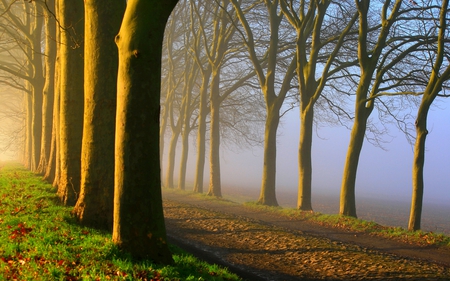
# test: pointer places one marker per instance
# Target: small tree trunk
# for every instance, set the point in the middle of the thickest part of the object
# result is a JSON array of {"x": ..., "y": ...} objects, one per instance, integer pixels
[
  {"x": 201, "y": 134},
  {"x": 268, "y": 183},
  {"x": 49, "y": 87},
  {"x": 305, "y": 162},
  {"x": 215, "y": 188},
  {"x": 347, "y": 198}
]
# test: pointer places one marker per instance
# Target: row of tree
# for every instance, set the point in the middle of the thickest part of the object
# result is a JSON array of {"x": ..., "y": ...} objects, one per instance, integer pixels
[
  {"x": 92, "y": 123},
  {"x": 387, "y": 57}
]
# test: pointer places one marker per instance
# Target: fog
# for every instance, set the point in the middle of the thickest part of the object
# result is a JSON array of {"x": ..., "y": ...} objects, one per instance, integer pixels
[{"x": 382, "y": 173}]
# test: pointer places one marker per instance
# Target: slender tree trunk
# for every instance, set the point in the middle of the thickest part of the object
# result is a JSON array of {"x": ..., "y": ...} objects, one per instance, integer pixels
[
  {"x": 49, "y": 87},
  {"x": 215, "y": 188},
  {"x": 71, "y": 99},
  {"x": 139, "y": 226},
  {"x": 304, "y": 159},
  {"x": 171, "y": 158},
  {"x": 184, "y": 158},
  {"x": 95, "y": 204},
  {"x": 37, "y": 86},
  {"x": 415, "y": 215},
  {"x": 28, "y": 140},
  {"x": 201, "y": 133},
  {"x": 347, "y": 198},
  {"x": 268, "y": 183}
]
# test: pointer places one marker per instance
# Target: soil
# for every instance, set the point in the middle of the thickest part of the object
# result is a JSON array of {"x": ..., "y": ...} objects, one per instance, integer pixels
[{"x": 260, "y": 245}]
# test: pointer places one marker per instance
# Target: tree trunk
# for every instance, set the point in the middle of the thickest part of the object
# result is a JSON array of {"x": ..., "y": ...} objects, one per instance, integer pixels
[
  {"x": 415, "y": 215},
  {"x": 347, "y": 198},
  {"x": 171, "y": 158},
  {"x": 201, "y": 133},
  {"x": 139, "y": 226},
  {"x": 95, "y": 204},
  {"x": 71, "y": 99},
  {"x": 49, "y": 87},
  {"x": 304, "y": 159},
  {"x": 37, "y": 86},
  {"x": 268, "y": 183},
  {"x": 215, "y": 188}
]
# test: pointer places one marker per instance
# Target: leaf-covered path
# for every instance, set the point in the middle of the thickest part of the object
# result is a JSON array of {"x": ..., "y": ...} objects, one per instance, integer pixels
[{"x": 273, "y": 247}]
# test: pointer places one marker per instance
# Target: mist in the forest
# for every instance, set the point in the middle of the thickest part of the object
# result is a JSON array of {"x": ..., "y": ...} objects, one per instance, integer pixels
[{"x": 383, "y": 173}]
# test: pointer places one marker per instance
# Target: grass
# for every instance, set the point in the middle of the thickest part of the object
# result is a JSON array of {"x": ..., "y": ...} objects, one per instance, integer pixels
[
  {"x": 40, "y": 240},
  {"x": 358, "y": 225},
  {"x": 337, "y": 221}
]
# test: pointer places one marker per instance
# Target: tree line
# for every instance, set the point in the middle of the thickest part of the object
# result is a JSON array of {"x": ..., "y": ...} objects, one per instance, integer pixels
[{"x": 95, "y": 105}]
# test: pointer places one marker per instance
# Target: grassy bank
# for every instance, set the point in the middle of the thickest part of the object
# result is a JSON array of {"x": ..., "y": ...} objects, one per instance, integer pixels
[
  {"x": 423, "y": 238},
  {"x": 40, "y": 240}
]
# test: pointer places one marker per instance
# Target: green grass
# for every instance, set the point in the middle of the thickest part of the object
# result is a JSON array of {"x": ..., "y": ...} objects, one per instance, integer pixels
[{"x": 40, "y": 240}]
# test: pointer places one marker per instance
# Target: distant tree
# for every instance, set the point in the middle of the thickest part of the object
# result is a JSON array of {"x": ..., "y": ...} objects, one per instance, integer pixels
[
  {"x": 95, "y": 203},
  {"x": 71, "y": 81},
  {"x": 275, "y": 82},
  {"x": 49, "y": 86},
  {"x": 383, "y": 53},
  {"x": 138, "y": 215},
  {"x": 440, "y": 74},
  {"x": 320, "y": 36}
]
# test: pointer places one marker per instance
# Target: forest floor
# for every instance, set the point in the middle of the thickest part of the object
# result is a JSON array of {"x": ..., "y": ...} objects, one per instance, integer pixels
[{"x": 264, "y": 245}]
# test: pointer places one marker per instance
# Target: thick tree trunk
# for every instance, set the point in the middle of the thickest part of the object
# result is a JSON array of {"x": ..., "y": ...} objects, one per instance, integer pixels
[
  {"x": 95, "y": 204},
  {"x": 71, "y": 99},
  {"x": 49, "y": 87},
  {"x": 304, "y": 159},
  {"x": 139, "y": 226},
  {"x": 268, "y": 184}
]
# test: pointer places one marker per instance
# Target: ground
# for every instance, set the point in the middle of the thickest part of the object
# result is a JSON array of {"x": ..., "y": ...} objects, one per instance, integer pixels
[{"x": 264, "y": 246}]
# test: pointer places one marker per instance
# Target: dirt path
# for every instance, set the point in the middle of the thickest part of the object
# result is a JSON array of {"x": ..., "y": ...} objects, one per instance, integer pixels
[{"x": 264, "y": 246}]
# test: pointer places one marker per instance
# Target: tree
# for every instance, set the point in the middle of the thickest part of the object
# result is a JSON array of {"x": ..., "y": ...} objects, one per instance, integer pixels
[
  {"x": 267, "y": 74},
  {"x": 71, "y": 64},
  {"x": 49, "y": 86},
  {"x": 95, "y": 203},
  {"x": 138, "y": 216},
  {"x": 382, "y": 49},
  {"x": 318, "y": 44},
  {"x": 440, "y": 73}
]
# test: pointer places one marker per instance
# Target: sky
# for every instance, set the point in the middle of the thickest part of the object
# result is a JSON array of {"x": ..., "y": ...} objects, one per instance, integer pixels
[{"x": 382, "y": 174}]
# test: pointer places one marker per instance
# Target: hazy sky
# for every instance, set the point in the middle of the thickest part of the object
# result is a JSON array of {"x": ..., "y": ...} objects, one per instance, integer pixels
[{"x": 381, "y": 173}]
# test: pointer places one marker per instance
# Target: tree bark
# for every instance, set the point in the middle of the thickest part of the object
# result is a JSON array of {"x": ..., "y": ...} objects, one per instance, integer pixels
[
  {"x": 49, "y": 87},
  {"x": 201, "y": 133},
  {"x": 215, "y": 188},
  {"x": 268, "y": 183},
  {"x": 95, "y": 204},
  {"x": 71, "y": 99},
  {"x": 304, "y": 157},
  {"x": 139, "y": 226}
]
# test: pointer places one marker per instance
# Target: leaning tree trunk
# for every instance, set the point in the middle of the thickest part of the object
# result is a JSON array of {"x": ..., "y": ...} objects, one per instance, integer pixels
[
  {"x": 347, "y": 197},
  {"x": 71, "y": 99},
  {"x": 139, "y": 226},
  {"x": 95, "y": 204}
]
